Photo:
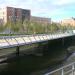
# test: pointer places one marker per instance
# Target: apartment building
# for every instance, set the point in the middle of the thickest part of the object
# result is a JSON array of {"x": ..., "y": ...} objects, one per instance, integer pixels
[
  {"x": 41, "y": 20},
  {"x": 14, "y": 14},
  {"x": 70, "y": 21}
]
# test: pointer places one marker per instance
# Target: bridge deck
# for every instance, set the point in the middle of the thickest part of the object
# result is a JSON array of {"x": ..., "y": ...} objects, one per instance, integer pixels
[{"x": 11, "y": 41}]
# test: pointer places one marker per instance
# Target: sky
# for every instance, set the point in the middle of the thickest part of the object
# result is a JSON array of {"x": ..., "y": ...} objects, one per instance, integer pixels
[{"x": 54, "y": 9}]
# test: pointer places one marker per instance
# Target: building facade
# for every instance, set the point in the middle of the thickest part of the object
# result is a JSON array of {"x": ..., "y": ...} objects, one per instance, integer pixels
[
  {"x": 40, "y": 20},
  {"x": 70, "y": 21},
  {"x": 14, "y": 14}
]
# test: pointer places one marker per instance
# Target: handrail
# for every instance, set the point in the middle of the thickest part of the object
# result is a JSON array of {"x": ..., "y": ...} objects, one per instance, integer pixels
[
  {"x": 64, "y": 34},
  {"x": 72, "y": 70}
]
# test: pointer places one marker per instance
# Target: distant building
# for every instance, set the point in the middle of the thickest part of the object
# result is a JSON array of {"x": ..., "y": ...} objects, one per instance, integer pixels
[
  {"x": 70, "y": 21},
  {"x": 14, "y": 14},
  {"x": 41, "y": 20}
]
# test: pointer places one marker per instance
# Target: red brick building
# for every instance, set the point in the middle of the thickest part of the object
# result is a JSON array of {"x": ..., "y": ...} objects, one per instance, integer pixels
[{"x": 14, "y": 14}]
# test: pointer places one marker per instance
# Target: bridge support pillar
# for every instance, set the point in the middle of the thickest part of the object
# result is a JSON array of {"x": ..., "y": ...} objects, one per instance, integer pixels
[
  {"x": 62, "y": 41},
  {"x": 17, "y": 51}
]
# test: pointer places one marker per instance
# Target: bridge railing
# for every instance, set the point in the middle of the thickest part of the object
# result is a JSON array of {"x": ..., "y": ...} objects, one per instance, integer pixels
[
  {"x": 63, "y": 34},
  {"x": 65, "y": 70}
]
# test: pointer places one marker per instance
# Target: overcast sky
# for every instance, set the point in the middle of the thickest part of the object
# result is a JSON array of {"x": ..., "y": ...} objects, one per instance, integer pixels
[{"x": 55, "y": 9}]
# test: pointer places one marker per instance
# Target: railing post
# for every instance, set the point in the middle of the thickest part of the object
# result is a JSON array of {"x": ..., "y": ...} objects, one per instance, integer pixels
[
  {"x": 62, "y": 41},
  {"x": 62, "y": 71},
  {"x": 17, "y": 51},
  {"x": 73, "y": 69}
]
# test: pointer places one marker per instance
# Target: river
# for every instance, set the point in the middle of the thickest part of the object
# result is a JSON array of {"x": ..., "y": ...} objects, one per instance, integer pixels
[{"x": 36, "y": 64}]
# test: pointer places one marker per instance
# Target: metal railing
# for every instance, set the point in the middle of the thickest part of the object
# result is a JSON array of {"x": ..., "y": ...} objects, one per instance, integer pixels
[
  {"x": 50, "y": 35},
  {"x": 27, "y": 39},
  {"x": 65, "y": 70}
]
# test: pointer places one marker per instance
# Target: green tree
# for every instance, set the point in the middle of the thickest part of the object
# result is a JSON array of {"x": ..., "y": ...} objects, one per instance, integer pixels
[{"x": 2, "y": 28}]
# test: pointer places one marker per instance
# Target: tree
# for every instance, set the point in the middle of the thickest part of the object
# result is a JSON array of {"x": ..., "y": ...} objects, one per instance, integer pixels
[{"x": 2, "y": 28}]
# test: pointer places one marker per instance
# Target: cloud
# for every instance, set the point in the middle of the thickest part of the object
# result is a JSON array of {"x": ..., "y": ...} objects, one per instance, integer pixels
[{"x": 44, "y": 8}]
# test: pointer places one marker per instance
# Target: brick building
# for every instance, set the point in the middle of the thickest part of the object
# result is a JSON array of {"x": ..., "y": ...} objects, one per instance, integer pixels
[{"x": 14, "y": 14}]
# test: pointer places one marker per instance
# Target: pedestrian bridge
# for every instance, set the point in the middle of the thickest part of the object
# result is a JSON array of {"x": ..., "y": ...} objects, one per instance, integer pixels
[
  {"x": 11, "y": 46},
  {"x": 12, "y": 41}
]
